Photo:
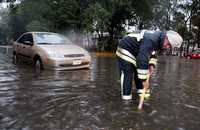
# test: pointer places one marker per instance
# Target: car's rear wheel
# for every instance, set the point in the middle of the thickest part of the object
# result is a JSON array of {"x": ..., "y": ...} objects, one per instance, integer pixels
[
  {"x": 38, "y": 64},
  {"x": 188, "y": 57}
]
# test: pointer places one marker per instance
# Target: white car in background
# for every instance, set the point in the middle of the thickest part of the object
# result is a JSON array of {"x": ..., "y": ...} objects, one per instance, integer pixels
[{"x": 46, "y": 50}]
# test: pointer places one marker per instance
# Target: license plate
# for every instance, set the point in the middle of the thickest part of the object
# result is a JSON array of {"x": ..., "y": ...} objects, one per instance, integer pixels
[{"x": 76, "y": 62}]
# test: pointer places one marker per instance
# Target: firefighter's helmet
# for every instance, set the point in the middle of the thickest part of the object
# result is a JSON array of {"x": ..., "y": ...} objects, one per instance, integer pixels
[{"x": 174, "y": 39}]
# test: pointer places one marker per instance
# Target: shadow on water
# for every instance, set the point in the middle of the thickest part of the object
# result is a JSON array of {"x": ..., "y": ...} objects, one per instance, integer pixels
[{"x": 90, "y": 99}]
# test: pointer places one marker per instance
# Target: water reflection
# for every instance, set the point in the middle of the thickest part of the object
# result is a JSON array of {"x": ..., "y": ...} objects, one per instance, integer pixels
[{"x": 90, "y": 99}]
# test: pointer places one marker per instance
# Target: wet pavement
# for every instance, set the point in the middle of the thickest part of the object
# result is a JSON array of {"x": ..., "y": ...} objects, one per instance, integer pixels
[{"x": 90, "y": 99}]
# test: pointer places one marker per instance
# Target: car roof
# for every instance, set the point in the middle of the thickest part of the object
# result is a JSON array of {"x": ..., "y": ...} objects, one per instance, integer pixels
[
  {"x": 43, "y": 32},
  {"x": 39, "y": 32},
  {"x": 35, "y": 33}
]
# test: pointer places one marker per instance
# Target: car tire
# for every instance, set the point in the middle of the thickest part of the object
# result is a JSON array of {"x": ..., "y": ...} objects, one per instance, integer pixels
[
  {"x": 38, "y": 65},
  {"x": 188, "y": 57}
]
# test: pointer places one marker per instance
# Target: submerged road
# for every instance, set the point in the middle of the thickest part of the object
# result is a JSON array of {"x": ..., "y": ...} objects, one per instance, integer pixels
[{"x": 90, "y": 99}]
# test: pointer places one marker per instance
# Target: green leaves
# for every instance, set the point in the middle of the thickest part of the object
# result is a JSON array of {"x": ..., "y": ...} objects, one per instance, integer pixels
[
  {"x": 89, "y": 15},
  {"x": 96, "y": 18},
  {"x": 110, "y": 16}
]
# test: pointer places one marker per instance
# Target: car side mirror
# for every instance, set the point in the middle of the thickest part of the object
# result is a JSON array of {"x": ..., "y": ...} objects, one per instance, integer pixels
[{"x": 28, "y": 43}]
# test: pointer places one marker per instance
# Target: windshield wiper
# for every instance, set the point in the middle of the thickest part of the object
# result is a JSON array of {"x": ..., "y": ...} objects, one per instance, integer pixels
[{"x": 44, "y": 43}]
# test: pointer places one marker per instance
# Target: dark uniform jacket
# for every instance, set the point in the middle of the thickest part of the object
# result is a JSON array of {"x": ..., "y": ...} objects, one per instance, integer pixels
[{"x": 137, "y": 49}]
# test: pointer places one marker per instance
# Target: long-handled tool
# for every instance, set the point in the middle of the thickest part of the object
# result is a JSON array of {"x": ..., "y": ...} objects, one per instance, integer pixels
[{"x": 145, "y": 88}]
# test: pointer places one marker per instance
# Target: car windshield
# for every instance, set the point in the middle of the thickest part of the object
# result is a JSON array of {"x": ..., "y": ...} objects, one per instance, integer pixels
[{"x": 51, "y": 39}]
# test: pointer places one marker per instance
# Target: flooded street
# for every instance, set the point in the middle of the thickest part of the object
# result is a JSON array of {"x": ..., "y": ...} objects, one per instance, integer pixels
[{"x": 90, "y": 99}]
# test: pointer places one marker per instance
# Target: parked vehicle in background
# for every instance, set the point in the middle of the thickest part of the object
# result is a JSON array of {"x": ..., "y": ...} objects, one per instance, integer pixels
[
  {"x": 51, "y": 51},
  {"x": 193, "y": 55}
]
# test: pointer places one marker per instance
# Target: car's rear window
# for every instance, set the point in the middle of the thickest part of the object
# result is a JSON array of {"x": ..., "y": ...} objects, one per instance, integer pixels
[
  {"x": 51, "y": 39},
  {"x": 197, "y": 51}
]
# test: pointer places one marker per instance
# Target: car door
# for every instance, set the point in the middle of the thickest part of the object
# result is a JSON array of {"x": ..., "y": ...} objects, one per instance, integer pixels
[
  {"x": 19, "y": 47},
  {"x": 27, "y": 47},
  {"x": 198, "y": 54}
]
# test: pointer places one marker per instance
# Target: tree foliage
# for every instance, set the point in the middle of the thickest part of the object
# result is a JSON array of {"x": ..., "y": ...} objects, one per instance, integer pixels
[
  {"x": 191, "y": 20},
  {"x": 102, "y": 16},
  {"x": 81, "y": 15}
]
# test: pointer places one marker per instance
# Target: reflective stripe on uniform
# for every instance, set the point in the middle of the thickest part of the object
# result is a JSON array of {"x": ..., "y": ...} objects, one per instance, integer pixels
[
  {"x": 138, "y": 36},
  {"x": 142, "y": 74},
  {"x": 153, "y": 61},
  {"x": 142, "y": 71},
  {"x": 147, "y": 93},
  {"x": 126, "y": 56},
  {"x": 125, "y": 97},
  {"x": 139, "y": 91},
  {"x": 126, "y": 52},
  {"x": 122, "y": 82}
]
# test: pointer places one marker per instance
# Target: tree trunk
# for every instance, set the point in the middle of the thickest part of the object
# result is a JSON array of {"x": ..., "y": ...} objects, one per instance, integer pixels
[
  {"x": 198, "y": 37},
  {"x": 188, "y": 46}
]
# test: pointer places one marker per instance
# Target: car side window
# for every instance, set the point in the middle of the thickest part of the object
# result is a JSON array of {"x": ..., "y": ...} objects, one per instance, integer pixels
[
  {"x": 26, "y": 37},
  {"x": 29, "y": 38},
  {"x": 21, "y": 40}
]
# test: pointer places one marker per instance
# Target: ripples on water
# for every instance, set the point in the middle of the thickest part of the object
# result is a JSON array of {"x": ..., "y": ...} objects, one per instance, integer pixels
[{"x": 90, "y": 99}]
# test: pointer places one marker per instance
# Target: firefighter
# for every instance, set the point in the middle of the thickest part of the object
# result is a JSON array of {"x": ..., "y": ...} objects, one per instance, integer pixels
[{"x": 136, "y": 58}]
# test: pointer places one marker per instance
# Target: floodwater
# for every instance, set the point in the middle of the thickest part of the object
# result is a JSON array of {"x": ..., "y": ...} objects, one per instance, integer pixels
[{"x": 90, "y": 99}]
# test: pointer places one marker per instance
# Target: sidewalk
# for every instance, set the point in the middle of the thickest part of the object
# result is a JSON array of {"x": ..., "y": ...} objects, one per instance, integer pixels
[{"x": 104, "y": 54}]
